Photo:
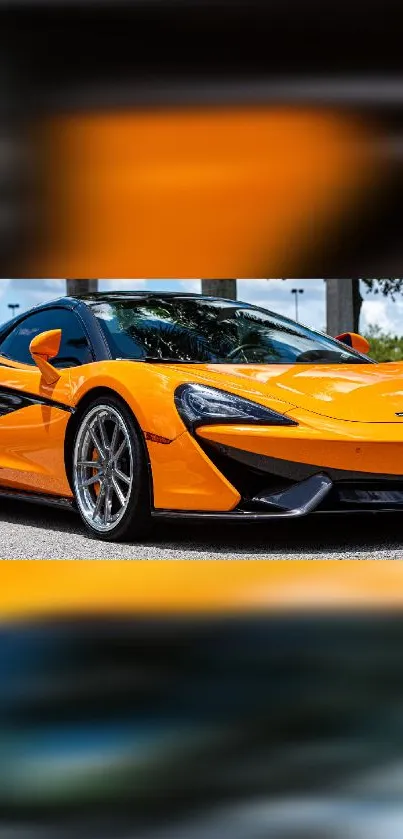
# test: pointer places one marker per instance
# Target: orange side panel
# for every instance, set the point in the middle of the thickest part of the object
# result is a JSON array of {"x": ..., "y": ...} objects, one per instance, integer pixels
[
  {"x": 185, "y": 479},
  {"x": 37, "y": 464}
]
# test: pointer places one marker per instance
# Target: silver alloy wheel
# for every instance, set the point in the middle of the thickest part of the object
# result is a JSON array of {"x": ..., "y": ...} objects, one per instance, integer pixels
[{"x": 103, "y": 468}]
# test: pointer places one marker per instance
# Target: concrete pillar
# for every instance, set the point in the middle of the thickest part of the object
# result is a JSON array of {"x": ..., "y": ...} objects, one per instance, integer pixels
[
  {"x": 219, "y": 288},
  {"x": 81, "y": 286},
  {"x": 339, "y": 306}
]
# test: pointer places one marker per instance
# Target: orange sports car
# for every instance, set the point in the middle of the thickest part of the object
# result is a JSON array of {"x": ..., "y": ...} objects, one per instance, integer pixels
[{"x": 132, "y": 406}]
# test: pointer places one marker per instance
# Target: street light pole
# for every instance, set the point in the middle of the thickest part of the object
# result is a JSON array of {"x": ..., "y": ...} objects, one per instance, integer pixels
[
  {"x": 296, "y": 292},
  {"x": 13, "y": 307}
]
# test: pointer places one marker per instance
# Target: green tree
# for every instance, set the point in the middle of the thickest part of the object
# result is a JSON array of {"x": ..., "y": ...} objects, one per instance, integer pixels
[
  {"x": 387, "y": 287},
  {"x": 384, "y": 345}
]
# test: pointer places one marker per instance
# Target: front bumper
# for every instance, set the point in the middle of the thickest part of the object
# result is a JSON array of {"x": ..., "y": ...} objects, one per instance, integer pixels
[
  {"x": 291, "y": 472},
  {"x": 295, "y": 501},
  {"x": 318, "y": 494},
  {"x": 260, "y": 472}
]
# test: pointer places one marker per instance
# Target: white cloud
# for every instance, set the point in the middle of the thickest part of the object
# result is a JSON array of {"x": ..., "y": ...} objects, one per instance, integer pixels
[
  {"x": 384, "y": 312},
  {"x": 190, "y": 286},
  {"x": 375, "y": 312},
  {"x": 122, "y": 285},
  {"x": 3, "y": 286}
]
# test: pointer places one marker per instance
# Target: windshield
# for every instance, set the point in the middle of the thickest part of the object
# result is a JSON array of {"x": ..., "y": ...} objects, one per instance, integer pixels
[{"x": 212, "y": 331}]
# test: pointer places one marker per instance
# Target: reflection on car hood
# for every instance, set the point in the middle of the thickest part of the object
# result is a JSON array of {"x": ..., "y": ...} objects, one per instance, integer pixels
[{"x": 365, "y": 393}]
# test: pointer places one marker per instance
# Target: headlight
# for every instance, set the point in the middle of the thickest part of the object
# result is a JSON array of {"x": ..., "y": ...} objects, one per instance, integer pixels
[{"x": 203, "y": 405}]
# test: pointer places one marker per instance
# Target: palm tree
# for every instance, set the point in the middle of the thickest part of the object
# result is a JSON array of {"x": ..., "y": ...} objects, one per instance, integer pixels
[{"x": 188, "y": 330}]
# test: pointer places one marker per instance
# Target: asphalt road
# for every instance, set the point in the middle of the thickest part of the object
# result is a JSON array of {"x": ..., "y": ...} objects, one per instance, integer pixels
[{"x": 28, "y": 531}]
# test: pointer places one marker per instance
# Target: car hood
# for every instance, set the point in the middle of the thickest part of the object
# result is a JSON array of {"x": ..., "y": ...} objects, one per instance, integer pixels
[{"x": 361, "y": 392}]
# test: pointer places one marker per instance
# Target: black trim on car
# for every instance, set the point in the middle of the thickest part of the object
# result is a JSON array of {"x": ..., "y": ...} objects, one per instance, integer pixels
[
  {"x": 33, "y": 497},
  {"x": 14, "y": 400},
  {"x": 289, "y": 470}
]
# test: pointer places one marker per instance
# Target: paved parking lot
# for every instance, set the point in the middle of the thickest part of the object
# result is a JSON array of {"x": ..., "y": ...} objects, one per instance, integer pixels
[{"x": 28, "y": 531}]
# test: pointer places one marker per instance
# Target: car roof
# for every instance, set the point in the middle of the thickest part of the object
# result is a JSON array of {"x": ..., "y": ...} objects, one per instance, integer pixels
[
  {"x": 91, "y": 297},
  {"x": 70, "y": 301}
]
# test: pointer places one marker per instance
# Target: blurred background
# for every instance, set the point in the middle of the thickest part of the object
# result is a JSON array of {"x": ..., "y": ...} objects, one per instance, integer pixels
[
  {"x": 188, "y": 137},
  {"x": 201, "y": 700}
]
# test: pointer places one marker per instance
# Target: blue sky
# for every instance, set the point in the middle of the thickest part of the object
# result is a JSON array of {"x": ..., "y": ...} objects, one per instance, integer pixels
[{"x": 274, "y": 294}]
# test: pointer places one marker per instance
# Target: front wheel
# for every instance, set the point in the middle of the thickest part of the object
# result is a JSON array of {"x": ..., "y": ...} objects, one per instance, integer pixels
[{"x": 110, "y": 475}]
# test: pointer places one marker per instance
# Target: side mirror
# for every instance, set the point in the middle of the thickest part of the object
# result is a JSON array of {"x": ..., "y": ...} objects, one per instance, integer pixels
[
  {"x": 43, "y": 347},
  {"x": 357, "y": 342}
]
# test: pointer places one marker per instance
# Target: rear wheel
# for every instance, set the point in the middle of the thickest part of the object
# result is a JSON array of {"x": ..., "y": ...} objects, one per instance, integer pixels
[{"x": 110, "y": 474}]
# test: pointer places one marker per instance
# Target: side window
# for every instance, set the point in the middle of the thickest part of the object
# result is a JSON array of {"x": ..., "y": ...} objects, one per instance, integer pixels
[{"x": 74, "y": 348}]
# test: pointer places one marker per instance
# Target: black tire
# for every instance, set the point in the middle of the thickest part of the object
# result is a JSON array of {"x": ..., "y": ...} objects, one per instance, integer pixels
[{"x": 133, "y": 518}]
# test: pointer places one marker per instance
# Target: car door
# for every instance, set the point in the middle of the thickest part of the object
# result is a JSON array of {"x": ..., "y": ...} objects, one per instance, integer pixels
[{"x": 33, "y": 413}]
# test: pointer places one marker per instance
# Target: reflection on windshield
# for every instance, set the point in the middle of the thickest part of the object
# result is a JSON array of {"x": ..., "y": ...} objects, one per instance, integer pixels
[{"x": 204, "y": 331}]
